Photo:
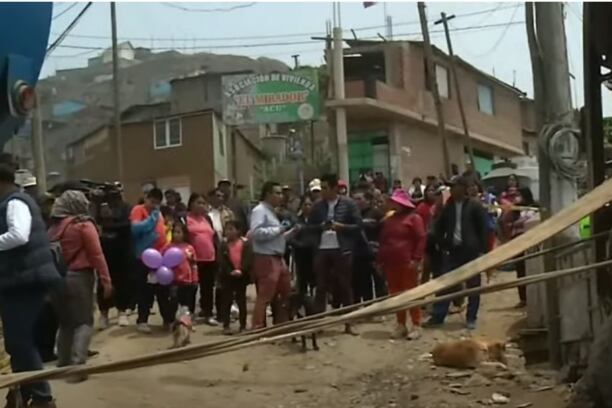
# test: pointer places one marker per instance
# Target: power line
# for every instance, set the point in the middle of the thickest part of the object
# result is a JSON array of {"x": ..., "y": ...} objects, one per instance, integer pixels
[
  {"x": 503, "y": 34},
  {"x": 211, "y": 10},
  {"x": 67, "y": 9},
  {"x": 289, "y": 43},
  {"x": 287, "y": 35},
  {"x": 62, "y": 36}
]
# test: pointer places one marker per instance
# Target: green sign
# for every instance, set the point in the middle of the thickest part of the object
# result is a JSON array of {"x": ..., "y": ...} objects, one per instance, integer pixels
[{"x": 271, "y": 98}]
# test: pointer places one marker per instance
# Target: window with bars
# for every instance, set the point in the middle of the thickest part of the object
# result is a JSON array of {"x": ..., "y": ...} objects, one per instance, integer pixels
[{"x": 167, "y": 133}]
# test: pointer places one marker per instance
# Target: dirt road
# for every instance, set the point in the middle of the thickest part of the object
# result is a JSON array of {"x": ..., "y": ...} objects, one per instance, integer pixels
[{"x": 366, "y": 371}]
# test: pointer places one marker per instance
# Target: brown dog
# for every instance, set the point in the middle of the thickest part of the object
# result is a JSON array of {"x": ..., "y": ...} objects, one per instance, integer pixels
[{"x": 468, "y": 353}]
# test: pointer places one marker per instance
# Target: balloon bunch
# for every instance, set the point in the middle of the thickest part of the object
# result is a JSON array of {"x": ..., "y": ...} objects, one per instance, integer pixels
[{"x": 163, "y": 264}]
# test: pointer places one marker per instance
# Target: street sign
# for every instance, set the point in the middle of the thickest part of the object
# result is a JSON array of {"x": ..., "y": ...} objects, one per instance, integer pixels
[{"x": 271, "y": 98}]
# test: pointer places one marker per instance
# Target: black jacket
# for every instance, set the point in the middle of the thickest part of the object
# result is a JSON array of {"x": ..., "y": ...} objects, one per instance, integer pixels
[
  {"x": 345, "y": 212},
  {"x": 30, "y": 265},
  {"x": 473, "y": 227},
  {"x": 226, "y": 267}
]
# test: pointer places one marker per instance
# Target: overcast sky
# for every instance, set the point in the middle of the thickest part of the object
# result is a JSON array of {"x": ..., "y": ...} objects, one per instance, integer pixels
[{"x": 498, "y": 46}]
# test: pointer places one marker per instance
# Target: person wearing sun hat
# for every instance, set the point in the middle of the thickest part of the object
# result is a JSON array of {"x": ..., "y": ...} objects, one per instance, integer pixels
[{"x": 401, "y": 250}]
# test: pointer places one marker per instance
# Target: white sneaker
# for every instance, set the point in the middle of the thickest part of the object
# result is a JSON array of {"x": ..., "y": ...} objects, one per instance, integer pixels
[
  {"x": 211, "y": 321},
  {"x": 123, "y": 320},
  {"x": 103, "y": 323},
  {"x": 414, "y": 333},
  {"x": 143, "y": 328},
  {"x": 269, "y": 311},
  {"x": 129, "y": 312}
]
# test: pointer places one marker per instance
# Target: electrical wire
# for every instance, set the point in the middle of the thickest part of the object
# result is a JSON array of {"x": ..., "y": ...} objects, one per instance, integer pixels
[
  {"x": 501, "y": 37},
  {"x": 212, "y": 10},
  {"x": 67, "y": 9},
  {"x": 560, "y": 142},
  {"x": 290, "y": 43},
  {"x": 62, "y": 36},
  {"x": 287, "y": 35}
]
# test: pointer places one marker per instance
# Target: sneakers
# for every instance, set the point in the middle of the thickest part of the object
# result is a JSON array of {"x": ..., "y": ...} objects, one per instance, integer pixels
[
  {"x": 123, "y": 320},
  {"x": 211, "y": 321},
  {"x": 143, "y": 328},
  {"x": 400, "y": 332},
  {"x": 103, "y": 323},
  {"x": 415, "y": 333},
  {"x": 432, "y": 324},
  {"x": 42, "y": 404},
  {"x": 350, "y": 329},
  {"x": 470, "y": 325}
]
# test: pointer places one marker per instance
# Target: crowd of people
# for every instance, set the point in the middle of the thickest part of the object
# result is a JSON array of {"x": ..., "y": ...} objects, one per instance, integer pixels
[{"x": 336, "y": 245}]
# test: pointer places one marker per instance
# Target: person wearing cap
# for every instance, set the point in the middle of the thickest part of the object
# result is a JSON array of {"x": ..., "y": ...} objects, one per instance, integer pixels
[
  {"x": 336, "y": 224},
  {"x": 314, "y": 187},
  {"x": 27, "y": 274},
  {"x": 402, "y": 246},
  {"x": 461, "y": 231}
]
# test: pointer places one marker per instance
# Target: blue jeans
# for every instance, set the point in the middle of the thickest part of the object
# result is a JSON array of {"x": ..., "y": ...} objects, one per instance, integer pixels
[
  {"x": 458, "y": 257},
  {"x": 19, "y": 311}
]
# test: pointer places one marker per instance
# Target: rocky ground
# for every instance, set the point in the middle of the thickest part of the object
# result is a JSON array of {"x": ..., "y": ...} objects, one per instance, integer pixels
[{"x": 366, "y": 371}]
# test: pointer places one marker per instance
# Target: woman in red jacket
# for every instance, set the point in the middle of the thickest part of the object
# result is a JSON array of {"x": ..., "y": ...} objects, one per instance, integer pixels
[
  {"x": 402, "y": 244},
  {"x": 78, "y": 236}
]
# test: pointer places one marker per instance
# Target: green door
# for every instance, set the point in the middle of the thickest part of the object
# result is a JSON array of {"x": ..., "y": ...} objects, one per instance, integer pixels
[{"x": 368, "y": 151}]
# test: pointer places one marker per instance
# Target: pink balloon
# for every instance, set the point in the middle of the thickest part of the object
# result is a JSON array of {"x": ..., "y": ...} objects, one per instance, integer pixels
[
  {"x": 152, "y": 258},
  {"x": 164, "y": 276},
  {"x": 173, "y": 257}
]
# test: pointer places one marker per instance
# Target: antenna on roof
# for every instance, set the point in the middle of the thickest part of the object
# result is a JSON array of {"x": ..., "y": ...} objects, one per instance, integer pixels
[{"x": 354, "y": 34}]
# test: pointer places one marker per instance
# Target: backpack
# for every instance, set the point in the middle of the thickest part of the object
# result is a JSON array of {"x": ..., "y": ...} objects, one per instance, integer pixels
[{"x": 55, "y": 247}]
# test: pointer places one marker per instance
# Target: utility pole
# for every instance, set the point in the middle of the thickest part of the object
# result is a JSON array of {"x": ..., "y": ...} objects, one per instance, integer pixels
[
  {"x": 548, "y": 49},
  {"x": 296, "y": 61},
  {"x": 388, "y": 23},
  {"x": 468, "y": 140},
  {"x": 433, "y": 86},
  {"x": 338, "y": 66},
  {"x": 38, "y": 149},
  {"x": 116, "y": 102}
]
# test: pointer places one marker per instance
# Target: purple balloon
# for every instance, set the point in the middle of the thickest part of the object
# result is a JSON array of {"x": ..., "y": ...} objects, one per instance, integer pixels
[
  {"x": 152, "y": 258},
  {"x": 164, "y": 276},
  {"x": 173, "y": 257}
]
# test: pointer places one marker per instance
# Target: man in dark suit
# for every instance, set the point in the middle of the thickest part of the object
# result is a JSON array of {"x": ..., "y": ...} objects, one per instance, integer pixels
[{"x": 461, "y": 232}]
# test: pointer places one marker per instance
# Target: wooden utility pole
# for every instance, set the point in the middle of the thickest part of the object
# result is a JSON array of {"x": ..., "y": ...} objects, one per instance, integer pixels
[
  {"x": 116, "y": 102},
  {"x": 433, "y": 87},
  {"x": 38, "y": 149},
  {"x": 468, "y": 140}
]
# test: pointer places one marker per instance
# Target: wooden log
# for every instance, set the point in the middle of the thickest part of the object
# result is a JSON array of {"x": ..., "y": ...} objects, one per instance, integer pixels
[{"x": 570, "y": 215}]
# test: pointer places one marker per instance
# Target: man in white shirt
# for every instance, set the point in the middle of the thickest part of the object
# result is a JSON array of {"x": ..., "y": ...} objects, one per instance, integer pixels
[
  {"x": 219, "y": 213},
  {"x": 27, "y": 272}
]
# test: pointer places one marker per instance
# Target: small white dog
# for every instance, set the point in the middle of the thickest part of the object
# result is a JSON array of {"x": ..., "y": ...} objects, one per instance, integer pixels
[{"x": 182, "y": 327}]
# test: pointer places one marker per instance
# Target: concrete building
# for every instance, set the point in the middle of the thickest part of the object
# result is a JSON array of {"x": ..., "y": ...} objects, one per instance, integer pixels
[
  {"x": 392, "y": 120},
  {"x": 188, "y": 152}
]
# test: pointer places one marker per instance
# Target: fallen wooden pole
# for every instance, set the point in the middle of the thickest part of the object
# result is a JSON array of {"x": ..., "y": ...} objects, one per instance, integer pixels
[
  {"x": 199, "y": 351},
  {"x": 570, "y": 215}
]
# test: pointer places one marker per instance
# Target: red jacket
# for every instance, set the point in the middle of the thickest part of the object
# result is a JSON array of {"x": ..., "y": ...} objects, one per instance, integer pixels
[
  {"x": 187, "y": 272},
  {"x": 81, "y": 247},
  {"x": 425, "y": 210},
  {"x": 402, "y": 239}
]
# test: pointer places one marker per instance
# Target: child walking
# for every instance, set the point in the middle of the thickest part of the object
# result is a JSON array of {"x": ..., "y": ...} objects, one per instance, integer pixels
[
  {"x": 186, "y": 274},
  {"x": 234, "y": 275}
]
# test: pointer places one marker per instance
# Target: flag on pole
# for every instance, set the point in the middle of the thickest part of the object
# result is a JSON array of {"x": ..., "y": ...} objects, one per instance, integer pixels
[{"x": 367, "y": 4}]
